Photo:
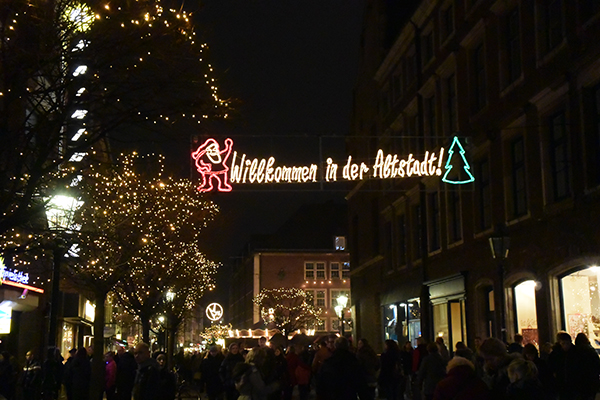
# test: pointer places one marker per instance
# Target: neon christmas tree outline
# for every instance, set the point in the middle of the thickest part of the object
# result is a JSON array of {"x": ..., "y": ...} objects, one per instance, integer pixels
[{"x": 467, "y": 167}]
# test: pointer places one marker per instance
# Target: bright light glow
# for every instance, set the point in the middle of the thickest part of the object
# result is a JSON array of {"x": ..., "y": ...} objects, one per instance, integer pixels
[
  {"x": 90, "y": 311},
  {"x": 338, "y": 310},
  {"x": 5, "y": 317},
  {"x": 170, "y": 296},
  {"x": 263, "y": 171},
  {"x": 80, "y": 92},
  {"x": 59, "y": 211},
  {"x": 79, "y": 114},
  {"x": 393, "y": 167},
  {"x": 82, "y": 69},
  {"x": 342, "y": 300},
  {"x": 76, "y": 157},
  {"x": 214, "y": 311},
  {"x": 80, "y": 15},
  {"x": 452, "y": 175},
  {"x": 78, "y": 134}
]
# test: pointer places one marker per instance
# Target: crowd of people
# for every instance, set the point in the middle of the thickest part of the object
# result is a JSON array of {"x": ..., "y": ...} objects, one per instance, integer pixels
[{"x": 335, "y": 370}]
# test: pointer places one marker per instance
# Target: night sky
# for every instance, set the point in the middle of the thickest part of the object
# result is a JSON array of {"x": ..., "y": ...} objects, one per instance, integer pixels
[{"x": 291, "y": 66}]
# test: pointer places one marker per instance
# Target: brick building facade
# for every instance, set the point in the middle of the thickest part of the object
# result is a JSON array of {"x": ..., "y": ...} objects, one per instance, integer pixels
[{"x": 519, "y": 83}]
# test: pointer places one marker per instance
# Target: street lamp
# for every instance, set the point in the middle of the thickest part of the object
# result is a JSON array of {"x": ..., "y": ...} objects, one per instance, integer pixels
[
  {"x": 342, "y": 302},
  {"x": 60, "y": 210},
  {"x": 169, "y": 298},
  {"x": 500, "y": 245}
]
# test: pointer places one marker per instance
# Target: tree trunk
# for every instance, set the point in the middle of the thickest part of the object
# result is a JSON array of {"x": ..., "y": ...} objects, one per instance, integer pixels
[
  {"x": 145, "y": 328},
  {"x": 98, "y": 367}
]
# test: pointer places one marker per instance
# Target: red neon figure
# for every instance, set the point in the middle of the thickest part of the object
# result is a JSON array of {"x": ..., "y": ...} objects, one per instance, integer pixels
[{"x": 210, "y": 163}]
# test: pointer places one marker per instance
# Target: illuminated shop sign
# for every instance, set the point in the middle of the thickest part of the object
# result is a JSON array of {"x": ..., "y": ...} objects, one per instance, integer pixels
[
  {"x": 220, "y": 165},
  {"x": 214, "y": 311},
  {"x": 12, "y": 277},
  {"x": 5, "y": 318}
]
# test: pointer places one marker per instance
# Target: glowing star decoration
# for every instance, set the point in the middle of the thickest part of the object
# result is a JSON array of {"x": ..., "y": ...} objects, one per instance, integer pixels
[
  {"x": 456, "y": 177},
  {"x": 214, "y": 311},
  {"x": 210, "y": 163}
]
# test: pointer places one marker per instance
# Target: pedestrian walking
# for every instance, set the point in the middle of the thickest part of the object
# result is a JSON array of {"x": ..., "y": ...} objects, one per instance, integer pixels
[
  {"x": 406, "y": 356},
  {"x": 524, "y": 383},
  {"x": 390, "y": 376},
  {"x": 341, "y": 376},
  {"x": 168, "y": 380},
  {"x": 303, "y": 372},
  {"x": 232, "y": 358},
  {"x": 52, "y": 370},
  {"x": 432, "y": 370},
  {"x": 147, "y": 379},
  {"x": 249, "y": 381},
  {"x": 370, "y": 364},
  {"x": 80, "y": 375},
  {"x": 110, "y": 376},
  {"x": 8, "y": 376},
  {"x": 495, "y": 368},
  {"x": 126, "y": 371},
  {"x": 210, "y": 372},
  {"x": 461, "y": 382},
  {"x": 31, "y": 381},
  {"x": 589, "y": 367}
]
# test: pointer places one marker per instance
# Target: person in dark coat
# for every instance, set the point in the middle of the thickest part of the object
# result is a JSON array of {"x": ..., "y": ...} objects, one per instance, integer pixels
[
  {"x": 524, "y": 384},
  {"x": 406, "y": 355},
  {"x": 210, "y": 372},
  {"x": 81, "y": 373},
  {"x": 517, "y": 345},
  {"x": 530, "y": 352},
  {"x": 52, "y": 370},
  {"x": 8, "y": 376},
  {"x": 432, "y": 370},
  {"x": 463, "y": 351},
  {"x": 589, "y": 365},
  {"x": 126, "y": 371},
  {"x": 303, "y": 371},
  {"x": 68, "y": 374},
  {"x": 31, "y": 380},
  {"x": 370, "y": 363},
  {"x": 168, "y": 380},
  {"x": 390, "y": 376},
  {"x": 226, "y": 371},
  {"x": 147, "y": 379},
  {"x": 461, "y": 382},
  {"x": 341, "y": 376},
  {"x": 495, "y": 368}
]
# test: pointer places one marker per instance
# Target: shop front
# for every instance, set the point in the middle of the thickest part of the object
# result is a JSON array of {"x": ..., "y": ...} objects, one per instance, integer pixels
[{"x": 447, "y": 297}]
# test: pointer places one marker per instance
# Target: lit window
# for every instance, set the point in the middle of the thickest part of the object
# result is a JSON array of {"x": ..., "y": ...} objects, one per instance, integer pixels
[
  {"x": 346, "y": 270},
  {"x": 340, "y": 243}
]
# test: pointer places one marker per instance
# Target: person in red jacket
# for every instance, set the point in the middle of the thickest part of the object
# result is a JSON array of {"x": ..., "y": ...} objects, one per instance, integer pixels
[{"x": 461, "y": 382}]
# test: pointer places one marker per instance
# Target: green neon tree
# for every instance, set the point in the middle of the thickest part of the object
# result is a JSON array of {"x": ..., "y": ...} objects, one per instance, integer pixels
[{"x": 457, "y": 177}]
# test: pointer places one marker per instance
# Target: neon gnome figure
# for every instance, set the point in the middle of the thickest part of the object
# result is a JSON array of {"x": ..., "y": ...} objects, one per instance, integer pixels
[{"x": 210, "y": 163}]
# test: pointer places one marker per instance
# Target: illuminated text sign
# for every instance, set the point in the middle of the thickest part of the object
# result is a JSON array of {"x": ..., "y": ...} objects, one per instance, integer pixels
[{"x": 221, "y": 166}]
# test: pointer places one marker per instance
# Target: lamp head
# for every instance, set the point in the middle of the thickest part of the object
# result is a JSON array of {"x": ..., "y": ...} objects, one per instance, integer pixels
[{"x": 342, "y": 300}]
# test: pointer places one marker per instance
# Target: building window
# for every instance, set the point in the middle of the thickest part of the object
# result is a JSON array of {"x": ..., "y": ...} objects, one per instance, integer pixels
[
  {"x": 519, "y": 187},
  {"x": 451, "y": 104},
  {"x": 429, "y": 108},
  {"x": 454, "y": 216},
  {"x": 551, "y": 24},
  {"x": 346, "y": 270},
  {"x": 484, "y": 195},
  {"x": 320, "y": 298},
  {"x": 375, "y": 226},
  {"x": 321, "y": 273},
  {"x": 335, "y": 270},
  {"x": 592, "y": 138},
  {"x": 396, "y": 87},
  {"x": 389, "y": 245},
  {"x": 401, "y": 226},
  {"x": 417, "y": 232},
  {"x": 433, "y": 217},
  {"x": 427, "y": 47},
  {"x": 479, "y": 82},
  {"x": 309, "y": 270},
  {"x": 559, "y": 157},
  {"x": 581, "y": 304},
  {"x": 340, "y": 243},
  {"x": 513, "y": 46},
  {"x": 526, "y": 312},
  {"x": 447, "y": 19},
  {"x": 337, "y": 293},
  {"x": 410, "y": 68}
]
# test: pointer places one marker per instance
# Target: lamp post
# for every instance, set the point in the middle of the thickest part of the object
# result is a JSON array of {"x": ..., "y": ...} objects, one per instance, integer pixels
[
  {"x": 342, "y": 301},
  {"x": 499, "y": 245},
  {"x": 169, "y": 298},
  {"x": 60, "y": 210}
]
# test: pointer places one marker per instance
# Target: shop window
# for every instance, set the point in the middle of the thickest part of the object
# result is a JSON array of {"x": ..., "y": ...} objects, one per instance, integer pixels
[
  {"x": 581, "y": 304},
  {"x": 414, "y": 321},
  {"x": 449, "y": 322},
  {"x": 390, "y": 321},
  {"x": 526, "y": 311},
  {"x": 490, "y": 309}
]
